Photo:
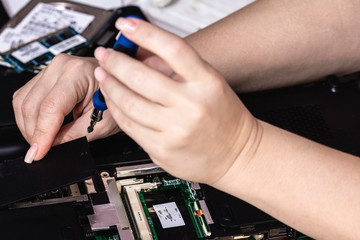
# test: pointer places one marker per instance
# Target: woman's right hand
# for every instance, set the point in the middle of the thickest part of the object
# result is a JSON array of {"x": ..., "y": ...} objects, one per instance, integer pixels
[{"x": 40, "y": 106}]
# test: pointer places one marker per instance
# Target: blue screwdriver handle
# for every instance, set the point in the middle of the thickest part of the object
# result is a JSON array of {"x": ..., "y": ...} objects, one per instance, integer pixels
[{"x": 123, "y": 45}]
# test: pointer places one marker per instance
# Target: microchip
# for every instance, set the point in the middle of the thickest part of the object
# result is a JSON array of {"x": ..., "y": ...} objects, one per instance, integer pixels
[
  {"x": 53, "y": 40},
  {"x": 66, "y": 34},
  {"x": 41, "y": 59}
]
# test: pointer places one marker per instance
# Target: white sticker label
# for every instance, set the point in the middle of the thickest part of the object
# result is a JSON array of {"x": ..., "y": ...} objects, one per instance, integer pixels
[
  {"x": 67, "y": 44},
  {"x": 29, "y": 52},
  {"x": 42, "y": 20},
  {"x": 169, "y": 215}
]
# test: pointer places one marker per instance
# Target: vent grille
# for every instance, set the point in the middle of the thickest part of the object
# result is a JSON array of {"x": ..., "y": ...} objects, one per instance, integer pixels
[{"x": 306, "y": 121}]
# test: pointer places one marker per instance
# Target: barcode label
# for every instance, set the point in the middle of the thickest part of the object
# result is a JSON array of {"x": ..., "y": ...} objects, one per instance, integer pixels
[
  {"x": 42, "y": 20},
  {"x": 67, "y": 44},
  {"x": 29, "y": 52}
]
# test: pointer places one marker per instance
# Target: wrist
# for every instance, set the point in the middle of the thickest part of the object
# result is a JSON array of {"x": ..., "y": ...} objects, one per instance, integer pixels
[{"x": 243, "y": 169}]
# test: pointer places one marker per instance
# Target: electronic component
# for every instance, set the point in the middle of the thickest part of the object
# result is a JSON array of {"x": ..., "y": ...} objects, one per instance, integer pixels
[
  {"x": 110, "y": 234},
  {"x": 60, "y": 195},
  {"x": 44, "y": 49},
  {"x": 164, "y": 208},
  {"x": 140, "y": 169},
  {"x": 137, "y": 211},
  {"x": 102, "y": 18},
  {"x": 112, "y": 213},
  {"x": 171, "y": 200}
]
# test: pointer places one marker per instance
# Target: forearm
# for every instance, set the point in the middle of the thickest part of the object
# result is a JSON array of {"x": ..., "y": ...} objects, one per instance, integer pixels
[
  {"x": 275, "y": 43},
  {"x": 308, "y": 186}
]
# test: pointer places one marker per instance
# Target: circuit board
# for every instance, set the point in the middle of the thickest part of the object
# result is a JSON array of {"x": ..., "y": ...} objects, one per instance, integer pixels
[
  {"x": 169, "y": 208},
  {"x": 170, "y": 201},
  {"x": 43, "y": 50}
]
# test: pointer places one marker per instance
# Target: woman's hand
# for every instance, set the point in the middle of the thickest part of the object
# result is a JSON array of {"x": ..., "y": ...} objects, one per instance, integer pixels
[
  {"x": 191, "y": 123},
  {"x": 65, "y": 86}
]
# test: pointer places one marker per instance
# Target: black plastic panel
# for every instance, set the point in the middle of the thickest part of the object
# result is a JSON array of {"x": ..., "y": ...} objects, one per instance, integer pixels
[
  {"x": 55, "y": 222},
  {"x": 63, "y": 165}
]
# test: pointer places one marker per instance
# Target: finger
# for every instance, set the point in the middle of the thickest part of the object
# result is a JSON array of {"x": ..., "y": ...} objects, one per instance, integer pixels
[
  {"x": 46, "y": 88},
  {"x": 18, "y": 100},
  {"x": 134, "y": 106},
  {"x": 38, "y": 90},
  {"x": 78, "y": 128},
  {"x": 52, "y": 110},
  {"x": 154, "y": 61},
  {"x": 174, "y": 50},
  {"x": 23, "y": 91},
  {"x": 140, "y": 78},
  {"x": 147, "y": 138}
]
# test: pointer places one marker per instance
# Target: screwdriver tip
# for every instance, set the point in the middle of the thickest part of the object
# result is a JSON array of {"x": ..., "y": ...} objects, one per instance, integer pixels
[{"x": 90, "y": 129}]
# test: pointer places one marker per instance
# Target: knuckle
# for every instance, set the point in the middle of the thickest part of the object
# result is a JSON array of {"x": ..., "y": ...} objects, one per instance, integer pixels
[
  {"x": 49, "y": 105},
  {"x": 180, "y": 138},
  {"x": 216, "y": 84},
  {"x": 15, "y": 94},
  {"x": 128, "y": 105},
  {"x": 78, "y": 63},
  {"x": 39, "y": 131},
  {"x": 176, "y": 48},
  {"x": 217, "y": 87},
  {"x": 16, "y": 101},
  {"x": 27, "y": 109},
  {"x": 137, "y": 76},
  {"x": 60, "y": 59},
  {"x": 198, "y": 113},
  {"x": 72, "y": 63}
]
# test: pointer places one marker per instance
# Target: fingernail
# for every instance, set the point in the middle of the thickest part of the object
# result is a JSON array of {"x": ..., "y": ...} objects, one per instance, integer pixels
[
  {"x": 100, "y": 74},
  {"x": 125, "y": 24},
  {"x": 101, "y": 53},
  {"x": 30, "y": 155}
]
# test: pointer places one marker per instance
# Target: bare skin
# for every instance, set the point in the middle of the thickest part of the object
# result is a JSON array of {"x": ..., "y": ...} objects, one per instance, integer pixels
[
  {"x": 186, "y": 128},
  {"x": 274, "y": 43}
]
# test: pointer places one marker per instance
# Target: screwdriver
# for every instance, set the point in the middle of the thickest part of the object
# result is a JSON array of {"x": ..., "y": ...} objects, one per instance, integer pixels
[{"x": 123, "y": 45}]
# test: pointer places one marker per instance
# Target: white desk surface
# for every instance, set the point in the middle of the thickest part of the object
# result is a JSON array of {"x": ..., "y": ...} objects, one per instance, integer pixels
[{"x": 181, "y": 17}]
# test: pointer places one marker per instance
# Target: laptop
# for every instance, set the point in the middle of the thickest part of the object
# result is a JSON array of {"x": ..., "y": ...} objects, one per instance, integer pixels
[{"x": 110, "y": 189}]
